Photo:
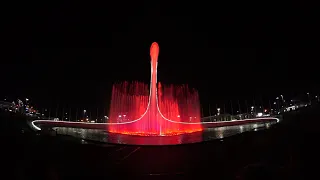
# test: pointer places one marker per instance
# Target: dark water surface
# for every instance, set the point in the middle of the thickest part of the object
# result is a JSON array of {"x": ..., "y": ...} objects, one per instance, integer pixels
[{"x": 208, "y": 134}]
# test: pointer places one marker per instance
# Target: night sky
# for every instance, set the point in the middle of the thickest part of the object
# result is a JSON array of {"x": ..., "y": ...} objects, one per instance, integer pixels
[{"x": 70, "y": 53}]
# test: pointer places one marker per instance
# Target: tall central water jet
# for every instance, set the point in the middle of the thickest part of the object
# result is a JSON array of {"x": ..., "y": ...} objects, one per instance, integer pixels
[
  {"x": 153, "y": 108},
  {"x": 162, "y": 110}
]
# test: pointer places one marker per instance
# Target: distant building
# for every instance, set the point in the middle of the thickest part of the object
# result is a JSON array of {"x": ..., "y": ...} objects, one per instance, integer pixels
[
  {"x": 220, "y": 117},
  {"x": 5, "y": 105}
]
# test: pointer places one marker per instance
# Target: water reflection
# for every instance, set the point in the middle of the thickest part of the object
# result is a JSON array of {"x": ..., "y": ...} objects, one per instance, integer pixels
[
  {"x": 208, "y": 134},
  {"x": 241, "y": 129}
]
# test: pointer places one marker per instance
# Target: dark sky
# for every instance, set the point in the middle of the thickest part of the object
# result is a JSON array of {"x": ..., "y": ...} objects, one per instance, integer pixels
[{"x": 71, "y": 52}]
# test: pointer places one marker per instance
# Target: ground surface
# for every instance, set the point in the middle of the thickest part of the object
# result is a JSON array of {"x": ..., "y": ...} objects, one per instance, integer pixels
[{"x": 282, "y": 152}]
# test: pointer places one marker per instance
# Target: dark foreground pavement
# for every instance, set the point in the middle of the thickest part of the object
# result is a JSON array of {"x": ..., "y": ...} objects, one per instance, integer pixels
[{"x": 282, "y": 152}]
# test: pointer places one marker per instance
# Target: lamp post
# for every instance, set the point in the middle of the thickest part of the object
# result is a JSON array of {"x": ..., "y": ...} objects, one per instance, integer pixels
[
  {"x": 84, "y": 114},
  {"x": 252, "y": 109}
]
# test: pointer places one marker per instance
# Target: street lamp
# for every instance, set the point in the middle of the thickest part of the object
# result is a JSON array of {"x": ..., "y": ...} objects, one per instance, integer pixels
[
  {"x": 252, "y": 110},
  {"x": 84, "y": 113},
  {"x": 218, "y": 109},
  {"x": 282, "y": 99},
  {"x": 309, "y": 98}
]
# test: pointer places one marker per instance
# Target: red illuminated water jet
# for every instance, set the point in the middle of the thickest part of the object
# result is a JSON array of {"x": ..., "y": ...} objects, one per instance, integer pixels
[{"x": 137, "y": 109}]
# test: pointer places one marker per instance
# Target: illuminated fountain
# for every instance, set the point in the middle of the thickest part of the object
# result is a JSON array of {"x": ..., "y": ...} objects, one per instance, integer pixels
[{"x": 157, "y": 110}]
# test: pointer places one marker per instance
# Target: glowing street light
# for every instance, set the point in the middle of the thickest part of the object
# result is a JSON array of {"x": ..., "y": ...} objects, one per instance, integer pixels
[
  {"x": 252, "y": 109},
  {"x": 282, "y": 98}
]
